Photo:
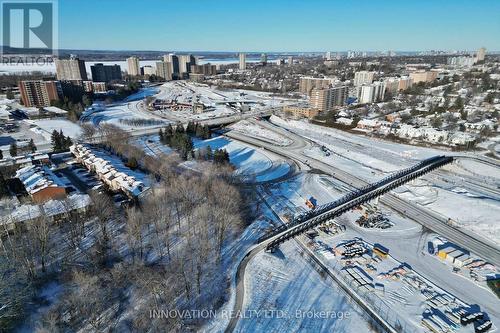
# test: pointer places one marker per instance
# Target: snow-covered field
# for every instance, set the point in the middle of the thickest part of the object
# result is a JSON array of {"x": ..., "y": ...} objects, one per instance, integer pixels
[
  {"x": 124, "y": 114},
  {"x": 466, "y": 210},
  {"x": 288, "y": 285},
  {"x": 249, "y": 161},
  {"x": 152, "y": 146},
  {"x": 253, "y": 129},
  {"x": 45, "y": 127},
  {"x": 218, "y": 102}
]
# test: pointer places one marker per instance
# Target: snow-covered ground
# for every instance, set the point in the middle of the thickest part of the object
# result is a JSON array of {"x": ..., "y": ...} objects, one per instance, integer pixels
[
  {"x": 152, "y": 146},
  {"x": 478, "y": 215},
  {"x": 249, "y": 161},
  {"x": 288, "y": 285},
  {"x": 406, "y": 241},
  {"x": 253, "y": 129},
  {"x": 45, "y": 127},
  {"x": 466, "y": 191},
  {"x": 217, "y": 102},
  {"x": 129, "y": 114}
]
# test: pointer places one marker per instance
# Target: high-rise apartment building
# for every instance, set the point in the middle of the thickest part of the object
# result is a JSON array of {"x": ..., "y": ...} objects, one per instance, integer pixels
[
  {"x": 462, "y": 61},
  {"x": 148, "y": 70},
  {"x": 371, "y": 93},
  {"x": 481, "y": 54},
  {"x": 263, "y": 58},
  {"x": 363, "y": 77},
  {"x": 185, "y": 62},
  {"x": 133, "y": 66},
  {"x": 306, "y": 84},
  {"x": 243, "y": 61},
  {"x": 39, "y": 93},
  {"x": 71, "y": 69},
  {"x": 206, "y": 69},
  {"x": 174, "y": 60},
  {"x": 105, "y": 73},
  {"x": 164, "y": 70},
  {"x": 290, "y": 60},
  {"x": 395, "y": 84},
  {"x": 324, "y": 99},
  {"x": 423, "y": 76}
]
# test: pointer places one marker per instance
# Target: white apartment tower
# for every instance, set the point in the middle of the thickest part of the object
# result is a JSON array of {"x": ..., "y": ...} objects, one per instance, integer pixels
[
  {"x": 164, "y": 70},
  {"x": 481, "y": 53},
  {"x": 133, "y": 66},
  {"x": 371, "y": 93},
  {"x": 71, "y": 69},
  {"x": 363, "y": 77},
  {"x": 243, "y": 61}
]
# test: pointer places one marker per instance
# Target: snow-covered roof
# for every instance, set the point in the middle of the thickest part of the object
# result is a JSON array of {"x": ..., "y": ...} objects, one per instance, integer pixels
[
  {"x": 55, "y": 109},
  {"x": 344, "y": 121},
  {"x": 50, "y": 208},
  {"x": 110, "y": 170},
  {"x": 36, "y": 178}
]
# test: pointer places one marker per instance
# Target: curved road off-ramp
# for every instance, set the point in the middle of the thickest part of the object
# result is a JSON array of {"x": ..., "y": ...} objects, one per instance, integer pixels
[{"x": 240, "y": 285}]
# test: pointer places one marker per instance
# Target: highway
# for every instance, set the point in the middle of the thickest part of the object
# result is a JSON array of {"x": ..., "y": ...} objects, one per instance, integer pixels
[{"x": 439, "y": 224}]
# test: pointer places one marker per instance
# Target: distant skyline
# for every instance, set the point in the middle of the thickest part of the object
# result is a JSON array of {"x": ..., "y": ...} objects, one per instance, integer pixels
[{"x": 279, "y": 26}]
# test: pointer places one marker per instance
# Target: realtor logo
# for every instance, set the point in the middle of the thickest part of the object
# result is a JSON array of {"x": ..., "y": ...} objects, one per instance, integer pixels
[{"x": 28, "y": 26}]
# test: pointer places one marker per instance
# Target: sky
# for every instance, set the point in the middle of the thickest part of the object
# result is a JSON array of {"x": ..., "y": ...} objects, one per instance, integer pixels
[{"x": 279, "y": 25}]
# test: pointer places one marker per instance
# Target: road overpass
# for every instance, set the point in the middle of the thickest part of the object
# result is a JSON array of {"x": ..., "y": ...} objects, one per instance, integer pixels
[{"x": 321, "y": 214}]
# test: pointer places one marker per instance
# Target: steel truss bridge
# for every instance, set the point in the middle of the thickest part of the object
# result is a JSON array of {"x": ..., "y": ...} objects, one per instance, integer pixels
[{"x": 319, "y": 215}]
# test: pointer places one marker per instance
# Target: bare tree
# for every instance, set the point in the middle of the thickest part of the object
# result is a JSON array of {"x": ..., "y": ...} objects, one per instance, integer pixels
[
  {"x": 104, "y": 212},
  {"x": 135, "y": 231},
  {"x": 88, "y": 132}
]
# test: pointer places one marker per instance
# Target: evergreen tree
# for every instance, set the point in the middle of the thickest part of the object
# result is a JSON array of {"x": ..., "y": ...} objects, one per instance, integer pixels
[
  {"x": 4, "y": 190},
  {"x": 210, "y": 154},
  {"x": 162, "y": 136},
  {"x": 13, "y": 149},
  {"x": 67, "y": 143},
  {"x": 1, "y": 154},
  {"x": 180, "y": 128},
  {"x": 56, "y": 142},
  {"x": 191, "y": 128},
  {"x": 10, "y": 94},
  {"x": 32, "y": 146},
  {"x": 206, "y": 132},
  {"x": 199, "y": 131},
  {"x": 168, "y": 134},
  {"x": 459, "y": 103}
]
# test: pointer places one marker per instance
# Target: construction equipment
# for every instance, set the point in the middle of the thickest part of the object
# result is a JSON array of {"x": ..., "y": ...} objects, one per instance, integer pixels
[{"x": 311, "y": 203}]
